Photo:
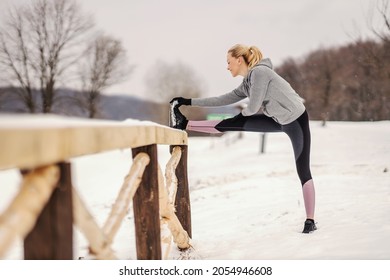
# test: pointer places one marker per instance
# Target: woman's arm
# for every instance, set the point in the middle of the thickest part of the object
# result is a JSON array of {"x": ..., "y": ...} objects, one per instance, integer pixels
[{"x": 222, "y": 100}]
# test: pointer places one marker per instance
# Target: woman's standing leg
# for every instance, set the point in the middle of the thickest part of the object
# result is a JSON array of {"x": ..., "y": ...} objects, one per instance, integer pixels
[{"x": 299, "y": 133}]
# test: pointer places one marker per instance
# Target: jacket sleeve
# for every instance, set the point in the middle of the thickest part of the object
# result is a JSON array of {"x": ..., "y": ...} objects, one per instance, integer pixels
[
  {"x": 260, "y": 79},
  {"x": 222, "y": 100}
]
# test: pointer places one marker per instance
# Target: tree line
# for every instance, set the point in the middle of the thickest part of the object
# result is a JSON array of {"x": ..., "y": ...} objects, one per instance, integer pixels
[
  {"x": 350, "y": 82},
  {"x": 346, "y": 83}
]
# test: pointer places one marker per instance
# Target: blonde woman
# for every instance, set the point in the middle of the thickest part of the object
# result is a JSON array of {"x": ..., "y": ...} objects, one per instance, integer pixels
[{"x": 273, "y": 106}]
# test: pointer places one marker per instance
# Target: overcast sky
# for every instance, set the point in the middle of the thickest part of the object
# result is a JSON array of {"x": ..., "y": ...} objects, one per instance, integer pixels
[{"x": 199, "y": 33}]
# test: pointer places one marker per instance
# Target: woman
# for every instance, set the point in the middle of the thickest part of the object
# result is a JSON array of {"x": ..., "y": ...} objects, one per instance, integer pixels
[{"x": 282, "y": 111}]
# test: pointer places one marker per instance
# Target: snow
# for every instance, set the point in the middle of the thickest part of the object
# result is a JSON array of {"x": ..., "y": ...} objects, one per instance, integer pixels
[
  {"x": 248, "y": 206},
  {"x": 56, "y": 121}
]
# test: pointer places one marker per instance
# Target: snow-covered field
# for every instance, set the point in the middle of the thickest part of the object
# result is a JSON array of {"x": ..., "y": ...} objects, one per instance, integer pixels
[{"x": 247, "y": 205}]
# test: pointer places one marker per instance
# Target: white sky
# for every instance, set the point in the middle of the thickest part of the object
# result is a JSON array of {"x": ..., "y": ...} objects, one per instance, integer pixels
[{"x": 199, "y": 33}]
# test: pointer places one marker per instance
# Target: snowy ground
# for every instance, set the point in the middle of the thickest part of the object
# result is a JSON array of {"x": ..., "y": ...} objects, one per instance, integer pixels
[{"x": 247, "y": 205}]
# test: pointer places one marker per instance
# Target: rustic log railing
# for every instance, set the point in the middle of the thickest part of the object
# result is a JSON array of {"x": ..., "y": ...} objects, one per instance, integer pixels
[{"x": 47, "y": 206}]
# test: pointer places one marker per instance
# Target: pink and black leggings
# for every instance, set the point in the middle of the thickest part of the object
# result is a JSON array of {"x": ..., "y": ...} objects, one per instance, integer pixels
[{"x": 298, "y": 131}]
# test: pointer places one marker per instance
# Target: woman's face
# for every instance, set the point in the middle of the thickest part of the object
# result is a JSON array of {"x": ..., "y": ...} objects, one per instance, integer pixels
[{"x": 233, "y": 64}]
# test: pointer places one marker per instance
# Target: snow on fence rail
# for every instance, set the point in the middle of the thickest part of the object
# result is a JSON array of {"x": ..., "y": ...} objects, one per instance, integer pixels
[{"x": 47, "y": 205}]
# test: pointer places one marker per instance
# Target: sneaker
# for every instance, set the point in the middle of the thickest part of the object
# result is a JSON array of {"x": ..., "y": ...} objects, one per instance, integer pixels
[
  {"x": 176, "y": 118},
  {"x": 310, "y": 226}
]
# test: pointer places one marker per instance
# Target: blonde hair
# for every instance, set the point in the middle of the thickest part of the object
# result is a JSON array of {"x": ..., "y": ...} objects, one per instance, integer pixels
[{"x": 252, "y": 55}]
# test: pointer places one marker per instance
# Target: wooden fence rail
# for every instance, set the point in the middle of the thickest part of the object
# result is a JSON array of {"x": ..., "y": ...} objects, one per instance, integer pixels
[{"x": 47, "y": 206}]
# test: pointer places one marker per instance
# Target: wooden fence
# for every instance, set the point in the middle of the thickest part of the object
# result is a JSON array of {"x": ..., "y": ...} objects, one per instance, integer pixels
[{"x": 47, "y": 206}]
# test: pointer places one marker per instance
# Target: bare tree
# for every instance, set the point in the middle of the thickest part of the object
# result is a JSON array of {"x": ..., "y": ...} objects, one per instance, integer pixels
[
  {"x": 39, "y": 44},
  {"x": 165, "y": 81},
  {"x": 14, "y": 57},
  {"x": 376, "y": 57},
  {"x": 327, "y": 67},
  {"x": 104, "y": 65},
  {"x": 315, "y": 75},
  {"x": 383, "y": 30}
]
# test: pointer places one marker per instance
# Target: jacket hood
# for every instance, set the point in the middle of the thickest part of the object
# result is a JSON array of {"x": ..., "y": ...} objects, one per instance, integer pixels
[{"x": 266, "y": 62}]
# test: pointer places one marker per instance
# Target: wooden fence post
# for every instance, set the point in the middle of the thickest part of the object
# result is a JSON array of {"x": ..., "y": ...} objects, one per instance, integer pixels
[
  {"x": 52, "y": 236},
  {"x": 182, "y": 202},
  {"x": 146, "y": 208}
]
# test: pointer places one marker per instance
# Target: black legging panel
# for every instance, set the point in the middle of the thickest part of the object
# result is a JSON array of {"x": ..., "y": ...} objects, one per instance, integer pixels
[
  {"x": 256, "y": 123},
  {"x": 298, "y": 131}
]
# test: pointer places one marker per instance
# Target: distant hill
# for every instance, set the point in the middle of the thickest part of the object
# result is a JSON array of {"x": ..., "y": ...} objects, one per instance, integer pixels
[
  {"x": 112, "y": 107},
  {"x": 121, "y": 107}
]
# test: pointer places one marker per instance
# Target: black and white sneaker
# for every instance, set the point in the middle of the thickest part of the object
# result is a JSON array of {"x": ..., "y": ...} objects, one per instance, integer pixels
[
  {"x": 176, "y": 118},
  {"x": 310, "y": 226}
]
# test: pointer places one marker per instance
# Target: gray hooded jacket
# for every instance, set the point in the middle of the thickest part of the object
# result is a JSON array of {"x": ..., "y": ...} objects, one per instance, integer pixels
[{"x": 266, "y": 90}]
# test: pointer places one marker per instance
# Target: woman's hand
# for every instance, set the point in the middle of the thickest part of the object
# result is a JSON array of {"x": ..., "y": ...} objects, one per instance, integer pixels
[{"x": 181, "y": 101}]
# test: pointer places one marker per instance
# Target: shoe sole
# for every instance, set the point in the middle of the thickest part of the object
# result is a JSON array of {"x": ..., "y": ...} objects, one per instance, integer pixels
[{"x": 172, "y": 120}]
